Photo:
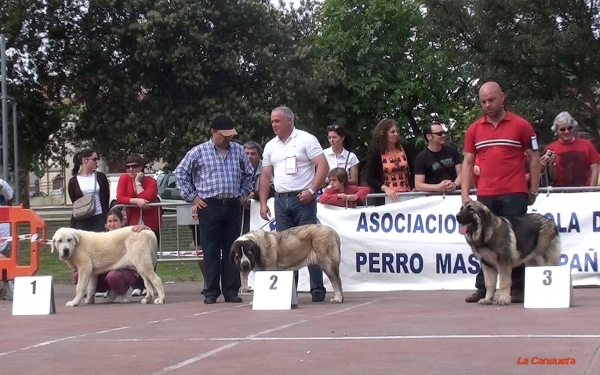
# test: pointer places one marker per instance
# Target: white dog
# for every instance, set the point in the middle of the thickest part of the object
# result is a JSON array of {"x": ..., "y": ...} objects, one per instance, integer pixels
[{"x": 93, "y": 253}]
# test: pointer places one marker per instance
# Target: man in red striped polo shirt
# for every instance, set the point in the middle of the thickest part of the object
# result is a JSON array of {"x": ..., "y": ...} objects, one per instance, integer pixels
[{"x": 501, "y": 140}]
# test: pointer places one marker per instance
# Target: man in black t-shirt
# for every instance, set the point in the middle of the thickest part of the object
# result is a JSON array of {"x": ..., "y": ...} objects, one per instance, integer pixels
[{"x": 437, "y": 168}]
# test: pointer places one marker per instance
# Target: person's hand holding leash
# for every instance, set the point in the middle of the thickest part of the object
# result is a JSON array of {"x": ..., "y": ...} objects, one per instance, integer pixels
[
  {"x": 265, "y": 213},
  {"x": 465, "y": 199}
]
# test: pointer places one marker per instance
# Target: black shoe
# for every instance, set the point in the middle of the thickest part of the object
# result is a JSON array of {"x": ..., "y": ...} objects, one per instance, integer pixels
[
  {"x": 518, "y": 297},
  {"x": 318, "y": 297},
  {"x": 236, "y": 299},
  {"x": 475, "y": 297},
  {"x": 209, "y": 300}
]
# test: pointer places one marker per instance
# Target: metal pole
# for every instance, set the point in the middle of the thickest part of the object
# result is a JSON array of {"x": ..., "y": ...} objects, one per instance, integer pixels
[
  {"x": 16, "y": 152},
  {"x": 4, "y": 108}
]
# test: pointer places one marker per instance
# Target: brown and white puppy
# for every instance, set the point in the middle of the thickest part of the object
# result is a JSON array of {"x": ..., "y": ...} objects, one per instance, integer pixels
[{"x": 291, "y": 249}]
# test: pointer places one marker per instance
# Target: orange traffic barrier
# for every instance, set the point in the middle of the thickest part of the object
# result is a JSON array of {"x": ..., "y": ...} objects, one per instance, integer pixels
[{"x": 15, "y": 215}]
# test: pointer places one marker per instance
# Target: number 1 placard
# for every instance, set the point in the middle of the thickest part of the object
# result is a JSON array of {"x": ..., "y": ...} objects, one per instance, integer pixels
[
  {"x": 274, "y": 290},
  {"x": 548, "y": 287},
  {"x": 33, "y": 295}
]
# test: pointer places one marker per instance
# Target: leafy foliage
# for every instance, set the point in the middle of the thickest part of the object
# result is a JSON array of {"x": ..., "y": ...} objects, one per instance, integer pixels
[
  {"x": 152, "y": 74},
  {"x": 391, "y": 69},
  {"x": 544, "y": 53}
]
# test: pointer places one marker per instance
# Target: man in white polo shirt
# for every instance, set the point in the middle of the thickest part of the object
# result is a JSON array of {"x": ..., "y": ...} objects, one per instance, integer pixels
[{"x": 295, "y": 160}]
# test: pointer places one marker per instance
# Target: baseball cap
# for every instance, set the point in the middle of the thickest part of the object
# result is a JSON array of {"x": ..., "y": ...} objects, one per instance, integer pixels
[{"x": 224, "y": 125}]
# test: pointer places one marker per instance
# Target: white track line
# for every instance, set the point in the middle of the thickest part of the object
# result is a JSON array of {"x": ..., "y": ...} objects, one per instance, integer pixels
[
  {"x": 196, "y": 358},
  {"x": 356, "y": 338},
  {"x": 50, "y": 342},
  {"x": 588, "y": 369},
  {"x": 408, "y": 337},
  {"x": 251, "y": 337}
]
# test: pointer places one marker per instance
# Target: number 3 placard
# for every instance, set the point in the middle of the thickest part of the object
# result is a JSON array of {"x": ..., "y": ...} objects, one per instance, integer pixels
[
  {"x": 274, "y": 290},
  {"x": 33, "y": 295},
  {"x": 548, "y": 287}
]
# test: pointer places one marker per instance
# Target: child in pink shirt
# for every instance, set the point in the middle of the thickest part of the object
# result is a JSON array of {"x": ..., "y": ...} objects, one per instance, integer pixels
[{"x": 340, "y": 193}]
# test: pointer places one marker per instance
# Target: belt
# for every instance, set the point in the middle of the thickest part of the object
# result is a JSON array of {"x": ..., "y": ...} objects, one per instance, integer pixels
[
  {"x": 288, "y": 194},
  {"x": 222, "y": 200}
]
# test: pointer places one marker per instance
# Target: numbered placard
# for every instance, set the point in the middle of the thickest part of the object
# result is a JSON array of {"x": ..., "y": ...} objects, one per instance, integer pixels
[
  {"x": 548, "y": 287},
  {"x": 274, "y": 290},
  {"x": 33, "y": 295}
]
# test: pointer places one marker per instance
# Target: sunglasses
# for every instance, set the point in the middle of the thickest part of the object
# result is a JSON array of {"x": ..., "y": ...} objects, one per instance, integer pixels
[
  {"x": 94, "y": 159},
  {"x": 132, "y": 166},
  {"x": 440, "y": 133},
  {"x": 332, "y": 127},
  {"x": 562, "y": 130}
]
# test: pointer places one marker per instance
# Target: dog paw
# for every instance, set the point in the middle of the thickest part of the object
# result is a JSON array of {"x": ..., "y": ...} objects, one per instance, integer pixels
[
  {"x": 336, "y": 300},
  {"x": 159, "y": 301},
  {"x": 485, "y": 301},
  {"x": 144, "y": 301},
  {"x": 71, "y": 303},
  {"x": 502, "y": 301},
  {"x": 90, "y": 301}
]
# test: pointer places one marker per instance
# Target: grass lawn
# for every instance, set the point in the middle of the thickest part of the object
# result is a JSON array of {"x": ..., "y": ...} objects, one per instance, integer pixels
[{"x": 168, "y": 271}]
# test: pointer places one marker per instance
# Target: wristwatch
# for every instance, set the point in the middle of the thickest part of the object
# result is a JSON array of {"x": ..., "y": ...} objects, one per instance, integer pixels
[
  {"x": 311, "y": 191},
  {"x": 534, "y": 194},
  {"x": 138, "y": 184}
]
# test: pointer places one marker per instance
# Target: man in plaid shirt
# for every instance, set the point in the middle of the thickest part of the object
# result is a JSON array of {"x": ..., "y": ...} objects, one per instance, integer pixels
[{"x": 216, "y": 176}]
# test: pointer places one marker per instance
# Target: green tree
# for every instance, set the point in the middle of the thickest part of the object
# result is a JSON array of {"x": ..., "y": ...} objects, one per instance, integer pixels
[
  {"x": 544, "y": 53},
  {"x": 33, "y": 82},
  {"x": 390, "y": 68},
  {"x": 152, "y": 74}
]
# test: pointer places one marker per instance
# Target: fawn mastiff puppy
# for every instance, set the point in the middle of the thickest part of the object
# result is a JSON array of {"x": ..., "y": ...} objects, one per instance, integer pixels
[{"x": 93, "y": 253}]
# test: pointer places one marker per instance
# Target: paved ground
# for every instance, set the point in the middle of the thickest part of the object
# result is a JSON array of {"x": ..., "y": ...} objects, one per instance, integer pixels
[{"x": 371, "y": 333}]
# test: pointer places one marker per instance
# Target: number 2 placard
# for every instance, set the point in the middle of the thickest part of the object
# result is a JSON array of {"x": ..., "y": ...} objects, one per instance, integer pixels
[
  {"x": 33, "y": 295},
  {"x": 274, "y": 290}
]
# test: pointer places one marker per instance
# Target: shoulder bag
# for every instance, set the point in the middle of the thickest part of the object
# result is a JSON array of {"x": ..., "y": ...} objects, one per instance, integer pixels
[{"x": 85, "y": 207}]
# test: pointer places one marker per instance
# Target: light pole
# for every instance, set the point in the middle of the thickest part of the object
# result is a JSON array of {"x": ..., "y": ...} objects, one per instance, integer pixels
[{"x": 4, "y": 108}]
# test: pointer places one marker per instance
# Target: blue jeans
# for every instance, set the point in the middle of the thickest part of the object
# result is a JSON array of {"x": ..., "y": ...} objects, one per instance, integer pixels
[
  {"x": 289, "y": 213},
  {"x": 219, "y": 225}
]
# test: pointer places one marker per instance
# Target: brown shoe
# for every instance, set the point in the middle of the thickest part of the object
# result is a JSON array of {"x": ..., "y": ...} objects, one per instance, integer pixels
[{"x": 475, "y": 297}]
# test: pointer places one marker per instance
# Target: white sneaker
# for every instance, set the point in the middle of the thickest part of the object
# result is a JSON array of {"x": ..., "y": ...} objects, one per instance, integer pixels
[
  {"x": 136, "y": 292},
  {"x": 144, "y": 292},
  {"x": 127, "y": 296},
  {"x": 111, "y": 297},
  {"x": 102, "y": 294}
]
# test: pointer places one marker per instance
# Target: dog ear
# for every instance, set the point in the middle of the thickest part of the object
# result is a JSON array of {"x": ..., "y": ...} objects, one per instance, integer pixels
[
  {"x": 255, "y": 249},
  {"x": 76, "y": 238},
  {"x": 234, "y": 252},
  {"x": 53, "y": 245}
]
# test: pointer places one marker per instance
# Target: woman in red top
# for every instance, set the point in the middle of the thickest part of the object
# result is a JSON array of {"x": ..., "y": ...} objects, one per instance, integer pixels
[{"x": 135, "y": 188}]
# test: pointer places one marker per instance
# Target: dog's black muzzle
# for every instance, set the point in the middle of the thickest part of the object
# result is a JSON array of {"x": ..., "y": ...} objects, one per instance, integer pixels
[{"x": 245, "y": 266}]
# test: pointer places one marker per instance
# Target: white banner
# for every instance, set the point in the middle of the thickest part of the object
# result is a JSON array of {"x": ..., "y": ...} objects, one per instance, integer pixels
[{"x": 415, "y": 244}]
